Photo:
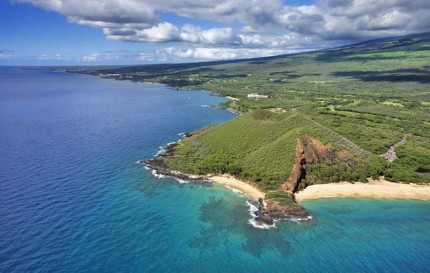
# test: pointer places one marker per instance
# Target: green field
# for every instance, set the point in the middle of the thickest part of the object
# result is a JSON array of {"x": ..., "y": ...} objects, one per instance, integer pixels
[{"x": 344, "y": 107}]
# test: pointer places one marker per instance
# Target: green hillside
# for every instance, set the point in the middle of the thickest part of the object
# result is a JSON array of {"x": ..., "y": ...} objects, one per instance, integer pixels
[
  {"x": 261, "y": 147},
  {"x": 344, "y": 108}
]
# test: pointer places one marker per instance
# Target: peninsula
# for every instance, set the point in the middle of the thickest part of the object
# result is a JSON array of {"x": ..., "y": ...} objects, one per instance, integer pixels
[{"x": 307, "y": 121}]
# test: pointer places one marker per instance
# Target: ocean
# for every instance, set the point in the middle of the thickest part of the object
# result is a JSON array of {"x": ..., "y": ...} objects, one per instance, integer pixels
[{"x": 73, "y": 199}]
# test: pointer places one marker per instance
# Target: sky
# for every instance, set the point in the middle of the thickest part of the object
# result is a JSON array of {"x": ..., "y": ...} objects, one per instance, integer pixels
[{"x": 102, "y": 32}]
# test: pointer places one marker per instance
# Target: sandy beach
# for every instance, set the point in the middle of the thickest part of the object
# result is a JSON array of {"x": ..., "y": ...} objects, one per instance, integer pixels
[
  {"x": 232, "y": 98},
  {"x": 238, "y": 185},
  {"x": 373, "y": 189}
]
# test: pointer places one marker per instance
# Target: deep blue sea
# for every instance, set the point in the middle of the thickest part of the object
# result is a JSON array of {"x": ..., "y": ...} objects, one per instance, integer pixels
[{"x": 72, "y": 198}]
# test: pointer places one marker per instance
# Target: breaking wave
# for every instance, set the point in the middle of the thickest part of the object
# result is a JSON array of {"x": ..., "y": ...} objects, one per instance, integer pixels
[{"x": 252, "y": 210}]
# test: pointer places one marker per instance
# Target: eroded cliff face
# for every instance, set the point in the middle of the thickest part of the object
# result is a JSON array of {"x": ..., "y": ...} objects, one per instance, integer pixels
[{"x": 308, "y": 151}]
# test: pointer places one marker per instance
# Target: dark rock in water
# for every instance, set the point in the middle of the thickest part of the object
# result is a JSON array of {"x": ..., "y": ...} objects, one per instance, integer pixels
[
  {"x": 260, "y": 203},
  {"x": 261, "y": 216},
  {"x": 274, "y": 211},
  {"x": 267, "y": 217},
  {"x": 169, "y": 149},
  {"x": 291, "y": 213},
  {"x": 158, "y": 165}
]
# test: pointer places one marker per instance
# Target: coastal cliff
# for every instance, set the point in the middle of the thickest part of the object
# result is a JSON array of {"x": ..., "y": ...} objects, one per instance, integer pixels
[{"x": 308, "y": 151}]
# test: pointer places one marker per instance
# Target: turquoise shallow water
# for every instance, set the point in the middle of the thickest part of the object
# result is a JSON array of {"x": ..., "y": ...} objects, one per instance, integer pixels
[{"x": 73, "y": 199}]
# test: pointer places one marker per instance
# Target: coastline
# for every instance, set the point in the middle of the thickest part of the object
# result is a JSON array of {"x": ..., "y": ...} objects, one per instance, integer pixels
[
  {"x": 267, "y": 214},
  {"x": 373, "y": 189},
  {"x": 237, "y": 184},
  {"x": 266, "y": 211}
]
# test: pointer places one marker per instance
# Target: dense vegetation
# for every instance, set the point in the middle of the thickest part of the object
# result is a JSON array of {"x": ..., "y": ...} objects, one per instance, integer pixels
[
  {"x": 260, "y": 146},
  {"x": 356, "y": 100}
]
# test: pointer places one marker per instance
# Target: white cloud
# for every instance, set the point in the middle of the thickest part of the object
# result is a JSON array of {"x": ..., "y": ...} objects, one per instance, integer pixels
[
  {"x": 162, "y": 32},
  {"x": 97, "y": 57},
  {"x": 91, "y": 58},
  {"x": 135, "y": 20},
  {"x": 101, "y": 13},
  {"x": 47, "y": 57},
  {"x": 245, "y": 25},
  {"x": 203, "y": 53}
]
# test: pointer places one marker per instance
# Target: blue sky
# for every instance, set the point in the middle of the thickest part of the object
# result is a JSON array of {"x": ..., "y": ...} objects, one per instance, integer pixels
[{"x": 70, "y": 32}]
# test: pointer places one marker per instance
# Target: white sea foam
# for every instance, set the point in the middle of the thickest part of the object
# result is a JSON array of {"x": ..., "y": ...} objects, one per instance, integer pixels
[
  {"x": 234, "y": 190},
  {"x": 256, "y": 224},
  {"x": 252, "y": 210},
  {"x": 162, "y": 150},
  {"x": 154, "y": 173},
  {"x": 181, "y": 181},
  {"x": 232, "y": 111},
  {"x": 182, "y": 135},
  {"x": 298, "y": 220}
]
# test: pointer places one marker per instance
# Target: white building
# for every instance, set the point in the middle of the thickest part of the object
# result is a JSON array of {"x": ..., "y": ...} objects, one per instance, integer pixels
[{"x": 256, "y": 96}]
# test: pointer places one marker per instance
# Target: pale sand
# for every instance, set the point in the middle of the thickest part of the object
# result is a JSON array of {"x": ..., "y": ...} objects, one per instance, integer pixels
[
  {"x": 373, "y": 189},
  {"x": 232, "y": 98},
  {"x": 234, "y": 183}
]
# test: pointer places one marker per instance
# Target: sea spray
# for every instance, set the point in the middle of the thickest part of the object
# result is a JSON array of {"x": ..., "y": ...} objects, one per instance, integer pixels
[
  {"x": 257, "y": 224},
  {"x": 163, "y": 150},
  {"x": 234, "y": 190},
  {"x": 154, "y": 173}
]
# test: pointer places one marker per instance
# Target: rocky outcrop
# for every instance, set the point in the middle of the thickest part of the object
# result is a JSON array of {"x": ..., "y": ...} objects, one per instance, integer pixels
[
  {"x": 267, "y": 212},
  {"x": 160, "y": 168},
  {"x": 275, "y": 211}
]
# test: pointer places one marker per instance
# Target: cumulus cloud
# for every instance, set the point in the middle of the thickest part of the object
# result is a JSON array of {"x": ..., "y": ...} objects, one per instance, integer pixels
[
  {"x": 101, "y": 13},
  {"x": 245, "y": 24},
  {"x": 359, "y": 19},
  {"x": 208, "y": 53}
]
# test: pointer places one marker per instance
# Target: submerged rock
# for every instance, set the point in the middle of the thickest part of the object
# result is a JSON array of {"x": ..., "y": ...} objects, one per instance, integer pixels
[{"x": 261, "y": 216}]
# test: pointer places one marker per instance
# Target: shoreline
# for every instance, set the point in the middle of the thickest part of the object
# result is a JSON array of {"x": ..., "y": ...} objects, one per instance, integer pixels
[
  {"x": 266, "y": 212},
  {"x": 377, "y": 189},
  {"x": 237, "y": 184}
]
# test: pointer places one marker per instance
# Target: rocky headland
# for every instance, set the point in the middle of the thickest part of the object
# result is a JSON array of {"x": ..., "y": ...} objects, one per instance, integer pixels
[{"x": 268, "y": 210}]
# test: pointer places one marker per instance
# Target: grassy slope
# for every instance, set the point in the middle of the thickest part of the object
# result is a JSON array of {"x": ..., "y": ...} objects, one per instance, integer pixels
[
  {"x": 260, "y": 146},
  {"x": 371, "y": 94}
]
